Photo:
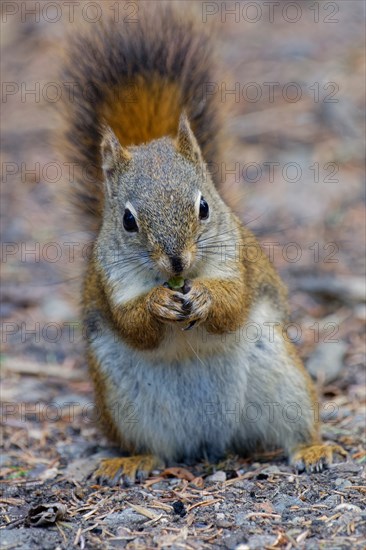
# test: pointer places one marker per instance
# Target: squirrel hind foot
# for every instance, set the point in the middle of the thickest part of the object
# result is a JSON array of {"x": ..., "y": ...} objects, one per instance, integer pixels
[
  {"x": 126, "y": 470},
  {"x": 315, "y": 457}
]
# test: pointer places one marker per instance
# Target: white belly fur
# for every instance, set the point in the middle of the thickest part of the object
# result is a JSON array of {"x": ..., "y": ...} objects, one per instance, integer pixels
[{"x": 204, "y": 401}]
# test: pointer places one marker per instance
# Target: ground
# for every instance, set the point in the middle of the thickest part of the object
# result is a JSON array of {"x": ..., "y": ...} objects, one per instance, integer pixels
[{"x": 298, "y": 150}]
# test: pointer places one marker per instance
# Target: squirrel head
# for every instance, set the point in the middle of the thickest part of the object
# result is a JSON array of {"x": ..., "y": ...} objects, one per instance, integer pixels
[{"x": 160, "y": 202}]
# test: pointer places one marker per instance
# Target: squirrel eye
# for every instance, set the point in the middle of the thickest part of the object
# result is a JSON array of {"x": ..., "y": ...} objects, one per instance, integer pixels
[
  {"x": 204, "y": 210},
  {"x": 129, "y": 222}
]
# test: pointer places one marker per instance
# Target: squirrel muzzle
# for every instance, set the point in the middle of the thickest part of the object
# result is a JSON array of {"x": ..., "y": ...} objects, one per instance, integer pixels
[{"x": 175, "y": 264}]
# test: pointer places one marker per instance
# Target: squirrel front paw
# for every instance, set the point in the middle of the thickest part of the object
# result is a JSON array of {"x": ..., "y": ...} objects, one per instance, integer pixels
[
  {"x": 190, "y": 308},
  {"x": 166, "y": 305},
  {"x": 197, "y": 303}
]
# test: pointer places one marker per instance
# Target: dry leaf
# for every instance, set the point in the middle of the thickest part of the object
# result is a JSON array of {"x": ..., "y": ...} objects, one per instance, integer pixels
[{"x": 44, "y": 515}]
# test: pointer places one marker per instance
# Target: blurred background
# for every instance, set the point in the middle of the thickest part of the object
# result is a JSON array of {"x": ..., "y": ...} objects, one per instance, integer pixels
[{"x": 295, "y": 87}]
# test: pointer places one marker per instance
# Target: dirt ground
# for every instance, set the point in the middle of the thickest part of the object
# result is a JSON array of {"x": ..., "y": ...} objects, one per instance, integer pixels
[{"x": 297, "y": 120}]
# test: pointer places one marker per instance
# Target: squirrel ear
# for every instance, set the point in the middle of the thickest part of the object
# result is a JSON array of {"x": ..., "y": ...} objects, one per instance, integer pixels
[
  {"x": 187, "y": 144},
  {"x": 113, "y": 154}
]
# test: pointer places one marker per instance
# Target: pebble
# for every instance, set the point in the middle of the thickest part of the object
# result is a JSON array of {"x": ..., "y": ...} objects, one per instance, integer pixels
[
  {"x": 127, "y": 517},
  {"x": 346, "y": 518},
  {"x": 223, "y": 523},
  {"x": 283, "y": 502},
  {"x": 342, "y": 483},
  {"x": 298, "y": 520},
  {"x": 348, "y": 508},
  {"x": 330, "y": 501},
  {"x": 216, "y": 477},
  {"x": 20, "y": 538},
  {"x": 258, "y": 542},
  {"x": 240, "y": 518},
  {"x": 346, "y": 467}
]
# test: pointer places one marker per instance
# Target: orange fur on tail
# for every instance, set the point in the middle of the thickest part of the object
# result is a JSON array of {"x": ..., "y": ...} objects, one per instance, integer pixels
[{"x": 137, "y": 78}]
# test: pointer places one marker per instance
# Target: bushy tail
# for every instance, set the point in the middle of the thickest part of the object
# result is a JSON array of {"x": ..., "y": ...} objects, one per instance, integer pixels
[{"x": 137, "y": 77}]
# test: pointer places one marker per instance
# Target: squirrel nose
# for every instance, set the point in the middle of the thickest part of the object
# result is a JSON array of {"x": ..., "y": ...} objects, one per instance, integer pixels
[{"x": 176, "y": 263}]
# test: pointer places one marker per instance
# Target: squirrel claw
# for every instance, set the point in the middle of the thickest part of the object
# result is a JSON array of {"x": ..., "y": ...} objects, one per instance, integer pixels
[
  {"x": 187, "y": 286},
  {"x": 190, "y": 326},
  {"x": 315, "y": 458},
  {"x": 126, "y": 470}
]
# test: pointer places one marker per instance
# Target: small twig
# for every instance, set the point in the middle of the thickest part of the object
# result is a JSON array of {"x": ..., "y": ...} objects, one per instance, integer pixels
[
  {"x": 262, "y": 515},
  {"x": 204, "y": 503}
]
